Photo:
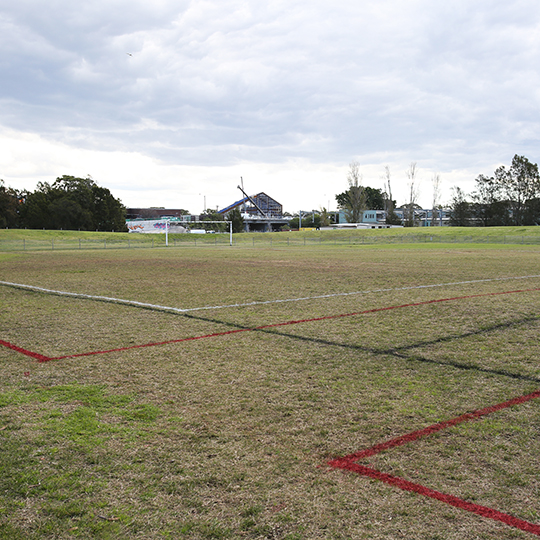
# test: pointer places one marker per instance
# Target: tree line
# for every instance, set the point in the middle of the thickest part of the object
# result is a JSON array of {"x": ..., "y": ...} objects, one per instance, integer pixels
[
  {"x": 508, "y": 197},
  {"x": 69, "y": 203},
  {"x": 511, "y": 196},
  {"x": 72, "y": 203}
]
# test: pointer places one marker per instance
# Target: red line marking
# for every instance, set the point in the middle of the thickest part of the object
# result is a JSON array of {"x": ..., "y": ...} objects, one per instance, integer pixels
[
  {"x": 349, "y": 463},
  {"x": 155, "y": 344},
  {"x": 42, "y": 358},
  {"x": 483, "y": 511},
  {"x": 37, "y": 356},
  {"x": 409, "y": 437}
]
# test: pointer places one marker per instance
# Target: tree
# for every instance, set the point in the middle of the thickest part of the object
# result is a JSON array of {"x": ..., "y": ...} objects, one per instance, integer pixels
[
  {"x": 237, "y": 220},
  {"x": 35, "y": 212},
  {"x": 9, "y": 207},
  {"x": 67, "y": 213},
  {"x": 374, "y": 199},
  {"x": 389, "y": 203},
  {"x": 521, "y": 184},
  {"x": 73, "y": 203},
  {"x": 509, "y": 197},
  {"x": 413, "y": 195},
  {"x": 460, "y": 215},
  {"x": 532, "y": 212},
  {"x": 436, "y": 183},
  {"x": 309, "y": 220},
  {"x": 487, "y": 198},
  {"x": 324, "y": 217},
  {"x": 353, "y": 201},
  {"x": 213, "y": 215},
  {"x": 294, "y": 223},
  {"x": 109, "y": 213}
]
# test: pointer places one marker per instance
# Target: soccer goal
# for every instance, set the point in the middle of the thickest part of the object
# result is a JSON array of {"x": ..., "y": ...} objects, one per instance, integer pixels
[{"x": 166, "y": 225}]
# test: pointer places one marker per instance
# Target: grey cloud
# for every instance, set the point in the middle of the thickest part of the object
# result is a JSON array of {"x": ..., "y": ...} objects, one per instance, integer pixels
[{"x": 218, "y": 82}]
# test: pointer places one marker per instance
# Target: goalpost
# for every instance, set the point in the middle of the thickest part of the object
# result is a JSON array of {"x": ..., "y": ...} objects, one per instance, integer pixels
[{"x": 159, "y": 226}]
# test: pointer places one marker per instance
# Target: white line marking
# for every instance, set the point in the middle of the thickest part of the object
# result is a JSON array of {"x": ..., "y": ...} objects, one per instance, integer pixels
[{"x": 246, "y": 304}]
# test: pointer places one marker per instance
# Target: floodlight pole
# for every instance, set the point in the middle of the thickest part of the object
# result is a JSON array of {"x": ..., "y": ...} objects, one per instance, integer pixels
[{"x": 230, "y": 233}]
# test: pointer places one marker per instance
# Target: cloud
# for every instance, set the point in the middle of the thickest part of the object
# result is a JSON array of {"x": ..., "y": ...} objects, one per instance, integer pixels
[{"x": 279, "y": 86}]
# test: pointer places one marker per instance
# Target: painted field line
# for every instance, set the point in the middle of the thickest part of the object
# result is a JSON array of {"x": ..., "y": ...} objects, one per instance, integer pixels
[
  {"x": 158, "y": 307},
  {"x": 349, "y": 463},
  {"x": 267, "y": 326},
  {"x": 483, "y": 511},
  {"x": 37, "y": 356}
]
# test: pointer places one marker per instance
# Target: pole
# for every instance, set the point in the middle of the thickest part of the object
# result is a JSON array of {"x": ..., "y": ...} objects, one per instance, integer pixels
[
  {"x": 167, "y": 232},
  {"x": 230, "y": 233}
]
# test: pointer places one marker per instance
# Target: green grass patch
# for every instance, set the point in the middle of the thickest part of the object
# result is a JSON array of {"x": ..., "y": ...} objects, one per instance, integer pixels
[{"x": 57, "y": 443}]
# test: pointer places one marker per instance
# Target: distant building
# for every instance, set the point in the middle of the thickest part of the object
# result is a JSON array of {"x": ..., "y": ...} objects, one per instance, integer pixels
[
  {"x": 374, "y": 219},
  {"x": 260, "y": 212},
  {"x": 424, "y": 217}
]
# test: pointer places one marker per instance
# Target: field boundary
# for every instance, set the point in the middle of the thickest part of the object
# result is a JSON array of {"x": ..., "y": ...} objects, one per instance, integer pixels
[
  {"x": 110, "y": 240},
  {"x": 43, "y": 358},
  {"x": 157, "y": 307},
  {"x": 349, "y": 463}
]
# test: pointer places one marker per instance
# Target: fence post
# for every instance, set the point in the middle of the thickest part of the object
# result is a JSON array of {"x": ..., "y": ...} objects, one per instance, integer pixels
[
  {"x": 24, "y": 244},
  {"x": 79, "y": 243}
]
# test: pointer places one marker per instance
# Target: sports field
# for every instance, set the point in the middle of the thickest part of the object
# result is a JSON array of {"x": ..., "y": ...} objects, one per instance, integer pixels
[{"x": 336, "y": 392}]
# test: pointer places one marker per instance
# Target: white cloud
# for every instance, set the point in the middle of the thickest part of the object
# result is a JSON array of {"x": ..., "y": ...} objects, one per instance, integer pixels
[{"x": 285, "y": 92}]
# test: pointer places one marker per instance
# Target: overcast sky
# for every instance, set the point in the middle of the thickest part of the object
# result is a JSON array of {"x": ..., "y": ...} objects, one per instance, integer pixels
[{"x": 170, "y": 102}]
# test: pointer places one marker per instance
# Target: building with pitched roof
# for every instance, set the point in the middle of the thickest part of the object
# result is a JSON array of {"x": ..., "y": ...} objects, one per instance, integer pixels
[{"x": 260, "y": 212}]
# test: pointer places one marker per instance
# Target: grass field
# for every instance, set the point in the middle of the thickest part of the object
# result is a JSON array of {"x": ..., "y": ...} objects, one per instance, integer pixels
[
  {"x": 28, "y": 240},
  {"x": 235, "y": 434}
]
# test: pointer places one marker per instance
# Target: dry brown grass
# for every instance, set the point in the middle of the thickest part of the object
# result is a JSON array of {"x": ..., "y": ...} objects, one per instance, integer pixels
[{"x": 228, "y": 437}]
